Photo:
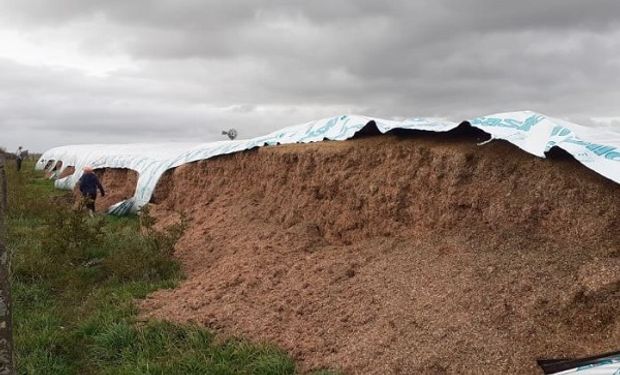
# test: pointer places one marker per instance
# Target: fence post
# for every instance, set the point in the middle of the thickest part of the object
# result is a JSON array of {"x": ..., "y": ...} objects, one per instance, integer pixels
[
  {"x": 4, "y": 205},
  {"x": 6, "y": 323}
]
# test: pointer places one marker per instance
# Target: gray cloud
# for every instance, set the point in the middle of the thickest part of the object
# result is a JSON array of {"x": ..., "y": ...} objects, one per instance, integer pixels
[{"x": 206, "y": 65}]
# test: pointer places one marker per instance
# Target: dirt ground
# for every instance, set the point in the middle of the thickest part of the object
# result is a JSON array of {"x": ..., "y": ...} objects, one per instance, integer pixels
[{"x": 399, "y": 254}]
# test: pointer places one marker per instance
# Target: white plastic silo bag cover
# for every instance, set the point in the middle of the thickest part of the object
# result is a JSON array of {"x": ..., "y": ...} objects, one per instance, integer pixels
[{"x": 595, "y": 148}]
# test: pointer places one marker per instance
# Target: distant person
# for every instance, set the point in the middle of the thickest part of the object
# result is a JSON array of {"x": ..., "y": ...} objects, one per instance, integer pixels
[
  {"x": 19, "y": 156},
  {"x": 88, "y": 185}
]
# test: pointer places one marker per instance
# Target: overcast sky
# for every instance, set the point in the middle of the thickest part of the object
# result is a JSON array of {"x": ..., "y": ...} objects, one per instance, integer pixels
[{"x": 86, "y": 71}]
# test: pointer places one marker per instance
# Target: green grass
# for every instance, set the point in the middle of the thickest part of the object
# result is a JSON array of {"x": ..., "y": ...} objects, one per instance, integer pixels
[{"x": 74, "y": 283}]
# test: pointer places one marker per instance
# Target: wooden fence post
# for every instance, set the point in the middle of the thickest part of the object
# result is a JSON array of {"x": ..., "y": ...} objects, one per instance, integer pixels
[
  {"x": 6, "y": 323},
  {"x": 4, "y": 205}
]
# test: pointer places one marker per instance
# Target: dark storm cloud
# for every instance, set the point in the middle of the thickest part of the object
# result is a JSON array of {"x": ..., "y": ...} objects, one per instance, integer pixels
[
  {"x": 204, "y": 65},
  {"x": 205, "y": 13}
]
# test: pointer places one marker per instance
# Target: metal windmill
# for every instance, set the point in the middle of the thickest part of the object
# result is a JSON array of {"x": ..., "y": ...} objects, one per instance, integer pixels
[{"x": 231, "y": 133}]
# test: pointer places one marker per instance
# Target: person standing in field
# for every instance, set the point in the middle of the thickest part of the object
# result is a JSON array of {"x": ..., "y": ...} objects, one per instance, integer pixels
[
  {"x": 19, "y": 156},
  {"x": 88, "y": 185}
]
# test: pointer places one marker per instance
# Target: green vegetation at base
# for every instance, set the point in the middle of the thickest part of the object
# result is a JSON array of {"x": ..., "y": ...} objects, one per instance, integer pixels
[{"x": 74, "y": 281}]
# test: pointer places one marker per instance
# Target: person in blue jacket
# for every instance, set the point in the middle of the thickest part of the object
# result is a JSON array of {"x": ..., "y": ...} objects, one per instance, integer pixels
[{"x": 88, "y": 185}]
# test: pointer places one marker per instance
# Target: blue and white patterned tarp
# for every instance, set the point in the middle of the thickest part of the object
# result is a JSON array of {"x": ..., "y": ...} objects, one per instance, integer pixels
[{"x": 534, "y": 133}]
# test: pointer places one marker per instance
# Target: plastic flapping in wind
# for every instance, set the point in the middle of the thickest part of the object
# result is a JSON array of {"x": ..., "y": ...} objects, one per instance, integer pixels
[
  {"x": 534, "y": 133},
  {"x": 605, "y": 364}
]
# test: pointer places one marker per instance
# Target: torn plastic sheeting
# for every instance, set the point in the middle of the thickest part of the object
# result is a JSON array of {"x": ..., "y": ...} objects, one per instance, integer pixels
[
  {"x": 534, "y": 133},
  {"x": 137, "y": 157},
  {"x": 605, "y": 364}
]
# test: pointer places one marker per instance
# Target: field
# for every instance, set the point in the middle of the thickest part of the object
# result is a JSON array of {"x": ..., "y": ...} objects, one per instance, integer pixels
[
  {"x": 403, "y": 253},
  {"x": 75, "y": 281}
]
